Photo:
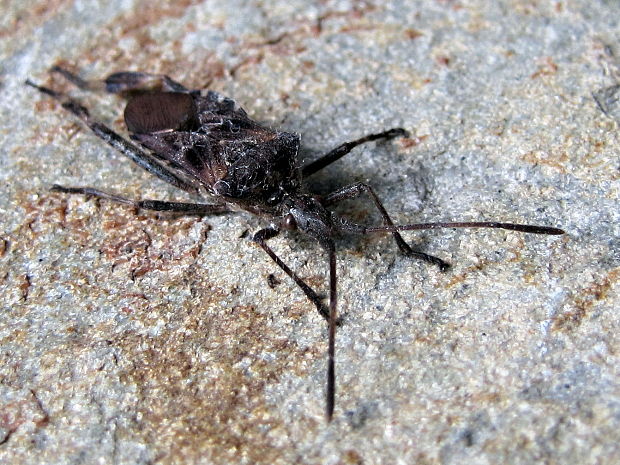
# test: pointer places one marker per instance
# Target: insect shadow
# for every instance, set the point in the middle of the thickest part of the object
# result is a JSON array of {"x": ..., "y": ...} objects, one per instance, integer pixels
[{"x": 205, "y": 144}]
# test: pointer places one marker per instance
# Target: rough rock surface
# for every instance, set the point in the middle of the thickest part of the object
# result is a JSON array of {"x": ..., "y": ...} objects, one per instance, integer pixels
[{"x": 132, "y": 338}]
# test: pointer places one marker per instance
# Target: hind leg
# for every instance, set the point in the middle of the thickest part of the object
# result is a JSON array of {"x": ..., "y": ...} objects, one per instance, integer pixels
[
  {"x": 138, "y": 155},
  {"x": 154, "y": 205},
  {"x": 124, "y": 81}
]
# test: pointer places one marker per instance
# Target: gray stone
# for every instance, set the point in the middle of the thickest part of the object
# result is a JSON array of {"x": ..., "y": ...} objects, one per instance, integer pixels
[{"x": 128, "y": 337}]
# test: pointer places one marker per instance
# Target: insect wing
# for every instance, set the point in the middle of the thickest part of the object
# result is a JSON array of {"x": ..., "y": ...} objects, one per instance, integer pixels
[
  {"x": 190, "y": 153},
  {"x": 161, "y": 111},
  {"x": 226, "y": 151}
]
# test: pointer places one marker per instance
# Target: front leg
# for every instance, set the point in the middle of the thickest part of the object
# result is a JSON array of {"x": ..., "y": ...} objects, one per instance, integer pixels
[
  {"x": 261, "y": 238},
  {"x": 359, "y": 188}
]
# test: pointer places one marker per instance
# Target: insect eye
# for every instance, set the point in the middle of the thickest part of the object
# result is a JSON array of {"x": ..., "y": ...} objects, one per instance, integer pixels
[{"x": 289, "y": 222}]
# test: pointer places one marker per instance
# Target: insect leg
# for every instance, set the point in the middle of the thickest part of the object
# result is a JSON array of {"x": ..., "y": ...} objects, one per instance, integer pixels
[
  {"x": 156, "y": 205},
  {"x": 329, "y": 314},
  {"x": 125, "y": 81},
  {"x": 359, "y": 188},
  {"x": 345, "y": 148},
  {"x": 142, "y": 158},
  {"x": 261, "y": 237}
]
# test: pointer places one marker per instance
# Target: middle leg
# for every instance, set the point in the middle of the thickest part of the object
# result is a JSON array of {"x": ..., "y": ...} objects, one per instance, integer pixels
[{"x": 345, "y": 148}]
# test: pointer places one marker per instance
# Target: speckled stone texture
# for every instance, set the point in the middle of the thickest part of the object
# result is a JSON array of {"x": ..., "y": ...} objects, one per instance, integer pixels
[{"x": 132, "y": 338}]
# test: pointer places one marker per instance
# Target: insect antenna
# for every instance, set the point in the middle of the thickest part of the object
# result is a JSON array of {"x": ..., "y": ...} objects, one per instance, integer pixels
[
  {"x": 331, "y": 348},
  {"x": 526, "y": 228}
]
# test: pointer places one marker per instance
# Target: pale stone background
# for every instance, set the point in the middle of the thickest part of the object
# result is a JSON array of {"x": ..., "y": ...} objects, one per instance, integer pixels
[{"x": 131, "y": 338}]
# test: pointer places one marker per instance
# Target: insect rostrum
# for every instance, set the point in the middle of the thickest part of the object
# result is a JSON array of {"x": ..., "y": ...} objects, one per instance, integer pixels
[{"x": 204, "y": 143}]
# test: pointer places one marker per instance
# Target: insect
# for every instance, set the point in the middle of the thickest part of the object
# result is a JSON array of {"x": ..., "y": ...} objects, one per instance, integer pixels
[{"x": 205, "y": 144}]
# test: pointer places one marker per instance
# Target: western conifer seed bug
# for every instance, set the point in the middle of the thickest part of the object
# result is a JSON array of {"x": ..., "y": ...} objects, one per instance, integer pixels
[{"x": 205, "y": 144}]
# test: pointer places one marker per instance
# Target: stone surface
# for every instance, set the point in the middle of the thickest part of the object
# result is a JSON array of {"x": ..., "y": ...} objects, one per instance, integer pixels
[{"x": 128, "y": 337}]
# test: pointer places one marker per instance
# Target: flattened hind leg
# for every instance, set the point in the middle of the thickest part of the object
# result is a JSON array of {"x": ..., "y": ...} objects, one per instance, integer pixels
[
  {"x": 124, "y": 81},
  {"x": 139, "y": 156}
]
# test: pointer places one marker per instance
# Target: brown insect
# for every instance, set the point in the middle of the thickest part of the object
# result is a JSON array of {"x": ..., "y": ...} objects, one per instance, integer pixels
[{"x": 204, "y": 143}]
